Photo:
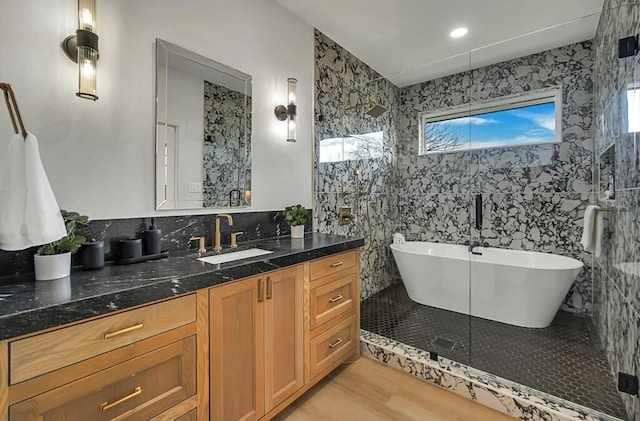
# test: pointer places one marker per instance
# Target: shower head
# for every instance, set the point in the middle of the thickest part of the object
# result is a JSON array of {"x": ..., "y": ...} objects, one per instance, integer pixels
[
  {"x": 374, "y": 109},
  {"x": 371, "y": 108}
]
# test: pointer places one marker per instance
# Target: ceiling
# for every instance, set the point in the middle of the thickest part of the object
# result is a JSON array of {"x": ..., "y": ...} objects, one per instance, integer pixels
[{"x": 408, "y": 41}]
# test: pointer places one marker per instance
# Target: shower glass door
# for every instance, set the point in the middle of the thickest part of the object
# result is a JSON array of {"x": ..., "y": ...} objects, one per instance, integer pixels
[
  {"x": 434, "y": 195},
  {"x": 523, "y": 174},
  {"x": 531, "y": 136}
]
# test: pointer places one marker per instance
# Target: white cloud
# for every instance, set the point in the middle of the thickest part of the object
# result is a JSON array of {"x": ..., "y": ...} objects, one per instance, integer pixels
[
  {"x": 475, "y": 121},
  {"x": 546, "y": 121}
]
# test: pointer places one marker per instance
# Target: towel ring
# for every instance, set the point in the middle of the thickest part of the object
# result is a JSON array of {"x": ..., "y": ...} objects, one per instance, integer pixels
[{"x": 14, "y": 111}]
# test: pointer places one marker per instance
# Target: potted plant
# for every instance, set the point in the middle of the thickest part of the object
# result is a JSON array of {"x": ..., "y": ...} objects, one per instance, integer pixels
[
  {"x": 296, "y": 216},
  {"x": 53, "y": 260}
]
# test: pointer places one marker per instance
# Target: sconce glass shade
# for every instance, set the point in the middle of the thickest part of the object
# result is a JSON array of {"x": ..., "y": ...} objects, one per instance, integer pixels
[
  {"x": 83, "y": 49},
  {"x": 289, "y": 111},
  {"x": 87, "y": 70},
  {"x": 87, "y": 41},
  {"x": 87, "y": 15}
]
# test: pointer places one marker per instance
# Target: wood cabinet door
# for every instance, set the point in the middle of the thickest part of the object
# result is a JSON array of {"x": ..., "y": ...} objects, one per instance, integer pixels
[
  {"x": 236, "y": 344},
  {"x": 284, "y": 330}
]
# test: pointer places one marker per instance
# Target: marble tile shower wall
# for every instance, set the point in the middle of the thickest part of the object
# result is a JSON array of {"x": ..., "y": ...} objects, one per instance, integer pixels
[
  {"x": 534, "y": 196},
  {"x": 176, "y": 231},
  {"x": 226, "y": 153},
  {"x": 616, "y": 278},
  {"x": 341, "y": 81}
]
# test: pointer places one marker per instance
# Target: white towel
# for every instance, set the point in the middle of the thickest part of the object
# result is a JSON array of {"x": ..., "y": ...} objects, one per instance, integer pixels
[
  {"x": 592, "y": 230},
  {"x": 398, "y": 238},
  {"x": 29, "y": 213}
]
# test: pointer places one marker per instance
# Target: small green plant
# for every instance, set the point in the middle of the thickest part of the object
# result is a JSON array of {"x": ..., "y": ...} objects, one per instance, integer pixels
[
  {"x": 296, "y": 215},
  {"x": 70, "y": 243}
]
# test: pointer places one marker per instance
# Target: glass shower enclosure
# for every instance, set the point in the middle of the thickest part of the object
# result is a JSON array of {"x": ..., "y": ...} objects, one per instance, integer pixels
[{"x": 491, "y": 168}]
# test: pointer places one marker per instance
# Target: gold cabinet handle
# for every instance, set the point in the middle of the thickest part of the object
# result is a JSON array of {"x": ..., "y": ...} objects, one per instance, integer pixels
[
  {"x": 336, "y": 298},
  {"x": 260, "y": 291},
  {"x": 335, "y": 344},
  {"x": 105, "y": 406},
  {"x": 336, "y": 264},
  {"x": 269, "y": 288},
  {"x": 109, "y": 335}
]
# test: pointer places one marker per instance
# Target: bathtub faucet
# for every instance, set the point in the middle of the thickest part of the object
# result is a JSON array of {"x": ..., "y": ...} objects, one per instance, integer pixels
[{"x": 474, "y": 245}]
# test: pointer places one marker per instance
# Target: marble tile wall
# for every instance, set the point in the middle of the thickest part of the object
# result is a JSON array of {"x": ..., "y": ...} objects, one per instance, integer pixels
[
  {"x": 176, "y": 231},
  {"x": 227, "y": 134},
  {"x": 616, "y": 277},
  {"x": 534, "y": 196},
  {"x": 341, "y": 81}
]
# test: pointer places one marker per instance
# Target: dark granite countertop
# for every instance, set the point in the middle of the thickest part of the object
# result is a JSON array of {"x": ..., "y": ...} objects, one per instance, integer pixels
[{"x": 28, "y": 306}]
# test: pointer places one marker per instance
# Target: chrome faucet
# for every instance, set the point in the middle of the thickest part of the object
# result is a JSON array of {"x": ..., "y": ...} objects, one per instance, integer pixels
[{"x": 216, "y": 246}]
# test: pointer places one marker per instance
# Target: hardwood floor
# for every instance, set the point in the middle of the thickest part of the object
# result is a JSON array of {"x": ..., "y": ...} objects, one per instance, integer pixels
[{"x": 368, "y": 390}]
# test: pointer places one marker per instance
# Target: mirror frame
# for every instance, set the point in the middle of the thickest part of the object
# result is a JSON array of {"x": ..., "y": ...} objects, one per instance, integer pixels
[{"x": 164, "y": 48}]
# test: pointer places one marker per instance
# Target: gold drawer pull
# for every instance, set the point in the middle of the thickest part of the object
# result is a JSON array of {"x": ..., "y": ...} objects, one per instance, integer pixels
[
  {"x": 109, "y": 335},
  {"x": 105, "y": 406},
  {"x": 336, "y": 298},
  {"x": 335, "y": 344},
  {"x": 336, "y": 264}
]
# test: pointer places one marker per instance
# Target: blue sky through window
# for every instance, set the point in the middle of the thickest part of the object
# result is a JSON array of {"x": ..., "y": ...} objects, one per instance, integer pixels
[{"x": 518, "y": 126}]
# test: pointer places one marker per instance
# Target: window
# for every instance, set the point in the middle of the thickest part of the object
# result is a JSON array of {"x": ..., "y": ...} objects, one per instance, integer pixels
[
  {"x": 529, "y": 119},
  {"x": 633, "y": 108},
  {"x": 362, "y": 146}
]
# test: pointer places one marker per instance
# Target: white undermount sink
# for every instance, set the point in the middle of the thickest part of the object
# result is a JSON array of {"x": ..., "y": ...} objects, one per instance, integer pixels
[{"x": 234, "y": 255}]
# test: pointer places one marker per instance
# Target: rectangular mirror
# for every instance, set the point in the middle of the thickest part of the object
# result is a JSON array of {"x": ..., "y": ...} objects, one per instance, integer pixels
[{"x": 203, "y": 131}]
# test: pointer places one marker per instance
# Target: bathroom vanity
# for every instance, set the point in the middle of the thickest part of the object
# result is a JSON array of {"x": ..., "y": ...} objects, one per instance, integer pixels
[{"x": 180, "y": 339}]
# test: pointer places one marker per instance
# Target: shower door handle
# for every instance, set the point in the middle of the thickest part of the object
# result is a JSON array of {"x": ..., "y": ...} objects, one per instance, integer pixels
[{"x": 478, "y": 212}]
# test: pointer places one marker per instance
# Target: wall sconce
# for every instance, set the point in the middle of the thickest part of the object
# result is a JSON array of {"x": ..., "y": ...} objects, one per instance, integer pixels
[
  {"x": 289, "y": 111},
  {"x": 83, "y": 49}
]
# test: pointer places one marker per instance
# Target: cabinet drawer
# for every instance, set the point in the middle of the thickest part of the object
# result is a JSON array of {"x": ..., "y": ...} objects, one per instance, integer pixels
[
  {"x": 36, "y": 355},
  {"x": 189, "y": 416},
  {"x": 333, "y": 298},
  {"x": 331, "y": 346},
  {"x": 332, "y": 264},
  {"x": 137, "y": 389}
]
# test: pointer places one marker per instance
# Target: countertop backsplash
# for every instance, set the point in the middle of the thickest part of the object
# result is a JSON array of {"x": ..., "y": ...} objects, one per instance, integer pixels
[{"x": 176, "y": 231}]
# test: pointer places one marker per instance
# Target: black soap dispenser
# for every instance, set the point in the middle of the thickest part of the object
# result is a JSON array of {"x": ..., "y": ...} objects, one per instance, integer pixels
[{"x": 152, "y": 236}]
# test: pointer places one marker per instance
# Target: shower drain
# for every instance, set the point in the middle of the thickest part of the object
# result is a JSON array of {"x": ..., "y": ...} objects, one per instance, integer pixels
[{"x": 443, "y": 343}]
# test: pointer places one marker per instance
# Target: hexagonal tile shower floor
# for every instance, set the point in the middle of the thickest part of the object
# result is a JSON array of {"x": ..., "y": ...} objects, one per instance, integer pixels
[{"x": 563, "y": 360}]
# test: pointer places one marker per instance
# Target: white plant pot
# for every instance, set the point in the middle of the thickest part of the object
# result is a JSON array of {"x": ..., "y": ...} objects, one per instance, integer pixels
[
  {"x": 54, "y": 266},
  {"x": 297, "y": 231}
]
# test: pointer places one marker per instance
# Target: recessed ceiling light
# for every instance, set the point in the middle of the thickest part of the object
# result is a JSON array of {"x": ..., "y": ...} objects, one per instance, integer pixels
[{"x": 458, "y": 32}]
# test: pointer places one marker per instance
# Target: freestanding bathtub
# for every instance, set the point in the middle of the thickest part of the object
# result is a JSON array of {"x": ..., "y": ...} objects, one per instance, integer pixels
[{"x": 521, "y": 288}]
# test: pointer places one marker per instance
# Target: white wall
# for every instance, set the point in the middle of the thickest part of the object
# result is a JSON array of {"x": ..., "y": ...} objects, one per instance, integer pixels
[
  {"x": 99, "y": 155},
  {"x": 186, "y": 110}
]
